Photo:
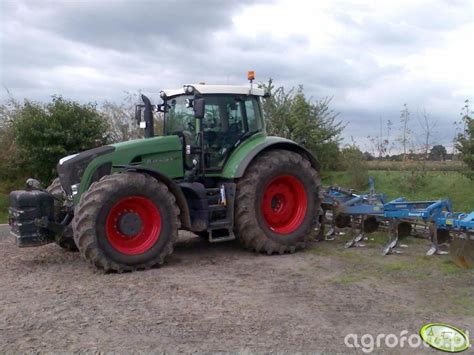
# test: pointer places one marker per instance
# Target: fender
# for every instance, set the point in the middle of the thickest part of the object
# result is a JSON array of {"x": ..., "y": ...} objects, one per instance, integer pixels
[
  {"x": 250, "y": 149},
  {"x": 171, "y": 185}
]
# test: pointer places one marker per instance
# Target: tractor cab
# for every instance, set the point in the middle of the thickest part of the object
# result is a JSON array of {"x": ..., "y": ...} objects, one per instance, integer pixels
[
  {"x": 211, "y": 120},
  {"x": 227, "y": 118}
]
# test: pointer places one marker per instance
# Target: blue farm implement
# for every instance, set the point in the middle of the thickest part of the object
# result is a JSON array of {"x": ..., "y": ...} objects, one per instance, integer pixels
[{"x": 366, "y": 212}]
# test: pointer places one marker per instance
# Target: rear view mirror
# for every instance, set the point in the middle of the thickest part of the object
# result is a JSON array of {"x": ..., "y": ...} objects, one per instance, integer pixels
[
  {"x": 138, "y": 113},
  {"x": 199, "y": 108}
]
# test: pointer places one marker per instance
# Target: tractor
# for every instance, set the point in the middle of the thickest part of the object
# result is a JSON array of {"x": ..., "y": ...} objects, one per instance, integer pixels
[{"x": 213, "y": 172}]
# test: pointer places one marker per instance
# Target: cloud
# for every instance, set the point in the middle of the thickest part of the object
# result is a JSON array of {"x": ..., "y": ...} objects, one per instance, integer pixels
[{"x": 371, "y": 57}]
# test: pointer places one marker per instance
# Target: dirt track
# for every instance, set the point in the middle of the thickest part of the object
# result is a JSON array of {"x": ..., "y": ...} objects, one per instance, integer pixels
[{"x": 218, "y": 297}]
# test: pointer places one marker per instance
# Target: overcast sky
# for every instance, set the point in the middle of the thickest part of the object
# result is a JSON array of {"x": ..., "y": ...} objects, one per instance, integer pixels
[{"x": 370, "y": 56}]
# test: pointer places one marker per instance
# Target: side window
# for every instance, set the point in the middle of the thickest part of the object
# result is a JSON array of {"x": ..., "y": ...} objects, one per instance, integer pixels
[
  {"x": 253, "y": 113},
  {"x": 226, "y": 120},
  {"x": 234, "y": 109}
]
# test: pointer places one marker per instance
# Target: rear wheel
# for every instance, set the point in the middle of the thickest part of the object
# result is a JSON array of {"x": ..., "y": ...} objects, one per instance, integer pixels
[
  {"x": 126, "y": 222},
  {"x": 277, "y": 203},
  {"x": 65, "y": 240}
]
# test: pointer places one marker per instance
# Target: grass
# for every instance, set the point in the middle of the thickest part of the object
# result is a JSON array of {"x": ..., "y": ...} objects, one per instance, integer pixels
[
  {"x": 413, "y": 165},
  {"x": 434, "y": 185},
  {"x": 373, "y": 265},
  {"x": 463, "y": 303}
]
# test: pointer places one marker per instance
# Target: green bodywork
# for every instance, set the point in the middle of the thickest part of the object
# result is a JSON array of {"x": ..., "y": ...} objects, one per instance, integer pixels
[
  {"x": 247, "y": 150},
  {"x": 165, "y": 155}
]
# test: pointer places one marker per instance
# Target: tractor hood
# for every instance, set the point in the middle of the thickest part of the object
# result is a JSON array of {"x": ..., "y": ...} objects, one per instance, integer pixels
[
  {"x": 71, "y": 168},
  {"x": 78, "y": 171},
  {"x": 141, "y": 151}
]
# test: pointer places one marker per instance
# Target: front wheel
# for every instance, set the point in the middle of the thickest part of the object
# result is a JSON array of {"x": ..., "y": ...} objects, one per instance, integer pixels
[
  {"x": 277, "y": 203},
  {"x": 126, "y": 222}
]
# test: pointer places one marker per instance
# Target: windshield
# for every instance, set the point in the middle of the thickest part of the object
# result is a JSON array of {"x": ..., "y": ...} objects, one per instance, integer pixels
[{"x": 179, "y": 117}]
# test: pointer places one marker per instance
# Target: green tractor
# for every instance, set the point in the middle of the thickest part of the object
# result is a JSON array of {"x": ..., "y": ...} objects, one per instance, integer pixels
[{"x": 214, "y": 172}]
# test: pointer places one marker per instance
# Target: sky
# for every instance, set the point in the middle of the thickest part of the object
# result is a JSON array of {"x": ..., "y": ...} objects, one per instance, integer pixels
[{"x": 371, "y": 57}]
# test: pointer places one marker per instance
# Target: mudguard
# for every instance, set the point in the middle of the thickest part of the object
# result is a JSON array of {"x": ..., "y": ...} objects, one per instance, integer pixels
[{"x": 251, "y": 148}]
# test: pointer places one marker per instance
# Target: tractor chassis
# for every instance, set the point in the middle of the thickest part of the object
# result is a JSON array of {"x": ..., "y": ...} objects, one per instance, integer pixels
[{"x": 31, "y": 213}]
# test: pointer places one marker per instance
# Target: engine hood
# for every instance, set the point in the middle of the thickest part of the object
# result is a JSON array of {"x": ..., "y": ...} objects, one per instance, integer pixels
[{"x": 71, "y": 168}]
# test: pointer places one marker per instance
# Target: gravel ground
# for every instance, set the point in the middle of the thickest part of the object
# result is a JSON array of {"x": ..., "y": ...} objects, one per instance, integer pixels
[{"x": 218, "y": 297}]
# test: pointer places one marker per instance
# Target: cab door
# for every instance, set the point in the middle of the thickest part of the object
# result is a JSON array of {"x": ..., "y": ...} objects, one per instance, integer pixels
[{"x": 228, "y": 120}]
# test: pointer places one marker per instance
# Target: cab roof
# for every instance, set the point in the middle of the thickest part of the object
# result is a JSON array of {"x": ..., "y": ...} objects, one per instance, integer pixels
[{"x": 216, "y": 89}]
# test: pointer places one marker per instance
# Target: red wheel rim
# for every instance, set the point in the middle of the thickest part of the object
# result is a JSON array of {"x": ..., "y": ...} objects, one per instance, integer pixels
[
  {"x": 284, "y": 204},
  {"x": 150, "y": 225}
]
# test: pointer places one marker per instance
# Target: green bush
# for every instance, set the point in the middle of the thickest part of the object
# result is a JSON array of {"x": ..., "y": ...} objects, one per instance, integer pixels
[
  {"x": 41, "y": 134},
  {"x": 355, "y": 166}
]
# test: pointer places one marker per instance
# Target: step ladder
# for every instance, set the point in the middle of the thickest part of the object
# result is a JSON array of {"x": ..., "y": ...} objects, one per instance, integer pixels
[{"x": 221, "y": 212}]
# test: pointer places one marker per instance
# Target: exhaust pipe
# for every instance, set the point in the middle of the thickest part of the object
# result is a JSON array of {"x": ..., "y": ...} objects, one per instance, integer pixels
[{"x": 148, "y": 117}]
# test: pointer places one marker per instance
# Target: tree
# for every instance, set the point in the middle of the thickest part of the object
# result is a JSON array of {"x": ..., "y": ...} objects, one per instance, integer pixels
[
  {"x": 428, "y": 125},
  {"x": 44, "y": 133},
  {"x": 438, "y": 152},
  {"x": 291, "y": 115},
  {"x": 381, "y": 143},
  {"x": 368, "y": 156},
  {"x": 10, "y": 160},
  {"x": 465, "y": 140},
  {"x": 405, "y": 138},
  {"x": 354, "y": 163},
  {"x": 121, "y": 118}
]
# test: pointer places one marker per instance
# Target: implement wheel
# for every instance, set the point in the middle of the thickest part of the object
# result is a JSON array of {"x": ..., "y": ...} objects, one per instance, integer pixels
[
  {"x": 126, "y": 222},
  {"x": 277, "y": 203},
  {"x": 66, "y": 239}
]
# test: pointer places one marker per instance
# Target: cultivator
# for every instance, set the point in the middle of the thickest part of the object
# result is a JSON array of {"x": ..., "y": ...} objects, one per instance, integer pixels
[{"x": 366, "y": 213}]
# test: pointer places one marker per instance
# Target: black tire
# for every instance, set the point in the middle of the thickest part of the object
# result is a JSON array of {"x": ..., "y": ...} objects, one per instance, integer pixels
[
  {"x": 90, "y": 222},
  {"x": 66, "y": 239},
  {"x": 251, "y": 226}
]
